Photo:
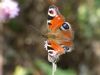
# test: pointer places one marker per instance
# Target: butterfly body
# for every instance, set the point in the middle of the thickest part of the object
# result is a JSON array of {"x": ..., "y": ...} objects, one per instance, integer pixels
[{"x": 60, "y": 35}]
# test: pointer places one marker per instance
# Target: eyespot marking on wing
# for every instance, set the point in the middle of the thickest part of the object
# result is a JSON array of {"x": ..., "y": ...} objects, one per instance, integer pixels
[
  {"x": 67, "y": 49},
  {"x": 52, "y": 11},
  {"x": 65, "y": 26}
]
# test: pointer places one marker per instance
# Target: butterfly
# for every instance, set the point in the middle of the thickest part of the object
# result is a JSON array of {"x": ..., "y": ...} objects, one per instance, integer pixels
[{"x": 59, "y": 36}]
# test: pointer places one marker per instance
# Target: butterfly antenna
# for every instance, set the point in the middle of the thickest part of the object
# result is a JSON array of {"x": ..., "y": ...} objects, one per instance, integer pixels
[{"x": 37, "y": 31}]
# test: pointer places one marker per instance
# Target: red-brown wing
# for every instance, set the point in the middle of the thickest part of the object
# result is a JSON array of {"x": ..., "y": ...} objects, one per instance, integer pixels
[
  {"x": 56, "y": 22},
  {"x": 55, "y": 19},
  {"x": 56, "y": 46}
]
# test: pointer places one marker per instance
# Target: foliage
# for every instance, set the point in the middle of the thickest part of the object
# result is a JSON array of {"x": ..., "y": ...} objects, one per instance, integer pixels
[{"x": 47, "y": 69}]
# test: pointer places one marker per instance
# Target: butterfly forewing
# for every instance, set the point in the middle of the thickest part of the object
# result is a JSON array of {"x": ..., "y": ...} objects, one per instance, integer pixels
[{"x": 55, "y": 19}]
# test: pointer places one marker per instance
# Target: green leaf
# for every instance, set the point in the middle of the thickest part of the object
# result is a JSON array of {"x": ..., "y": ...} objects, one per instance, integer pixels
[{"x": 48, "y": 69}]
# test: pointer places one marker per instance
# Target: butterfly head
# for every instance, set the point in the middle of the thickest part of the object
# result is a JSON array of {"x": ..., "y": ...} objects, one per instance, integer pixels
[{"x": 55, "y": 19}]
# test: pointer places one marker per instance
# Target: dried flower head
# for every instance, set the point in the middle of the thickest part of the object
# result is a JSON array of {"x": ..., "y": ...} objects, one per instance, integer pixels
[{"x": 8, "y": 9}]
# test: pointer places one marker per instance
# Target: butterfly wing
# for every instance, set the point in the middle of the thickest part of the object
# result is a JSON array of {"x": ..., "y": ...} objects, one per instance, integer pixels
[
  {"x": 66, "y": 37},
  {"x": 60, "y": 35},
  {"x": 55, "y": 19},
  {"x": 54, "y": 50}
]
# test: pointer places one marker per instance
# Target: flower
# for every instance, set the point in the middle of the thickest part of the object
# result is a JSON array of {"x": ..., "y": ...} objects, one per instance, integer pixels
[{"x": 8, "y": 9}]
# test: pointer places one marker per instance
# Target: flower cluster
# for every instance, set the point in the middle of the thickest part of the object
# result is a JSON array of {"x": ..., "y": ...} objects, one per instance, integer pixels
[{"x": 8, "y": 9}]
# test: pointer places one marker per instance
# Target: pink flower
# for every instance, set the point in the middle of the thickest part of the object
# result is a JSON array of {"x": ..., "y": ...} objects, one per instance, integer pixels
[{"x": 8, "y": 9}]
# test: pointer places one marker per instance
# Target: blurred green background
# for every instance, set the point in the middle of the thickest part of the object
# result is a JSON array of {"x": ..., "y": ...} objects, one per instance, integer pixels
[{"x": 24, "y": 52}]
